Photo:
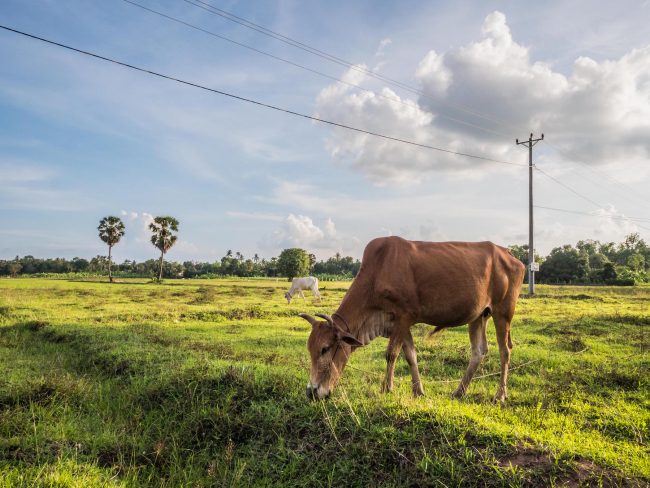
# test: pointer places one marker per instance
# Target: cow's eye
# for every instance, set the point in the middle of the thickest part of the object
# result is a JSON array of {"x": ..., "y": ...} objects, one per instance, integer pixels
[{"x": 324, "y": 350}]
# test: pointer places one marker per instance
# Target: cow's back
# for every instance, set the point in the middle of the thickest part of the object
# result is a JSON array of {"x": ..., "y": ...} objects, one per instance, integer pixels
[{"x": 439, "y": 283}]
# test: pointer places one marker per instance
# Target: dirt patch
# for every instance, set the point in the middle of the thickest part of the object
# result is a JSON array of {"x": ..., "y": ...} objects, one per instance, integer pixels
[
  {"x": 526, "y": 458},
  {"x": 586, "y": 473}
]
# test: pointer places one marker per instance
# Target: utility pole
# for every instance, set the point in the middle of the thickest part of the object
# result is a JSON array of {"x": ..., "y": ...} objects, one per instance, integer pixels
[{"x": 532, "y": 265}]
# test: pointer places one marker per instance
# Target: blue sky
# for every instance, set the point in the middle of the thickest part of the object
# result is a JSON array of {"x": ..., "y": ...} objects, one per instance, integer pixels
[{"x": 81, "y": 139}]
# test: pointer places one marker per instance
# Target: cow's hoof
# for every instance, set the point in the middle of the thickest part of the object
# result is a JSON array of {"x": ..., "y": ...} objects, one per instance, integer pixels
[
  {"x": 500, "y": 397},
  {"x": 418, "y": 391},
  {"x": 458, "y": 394},
  {"x": 386, "y": 388}
]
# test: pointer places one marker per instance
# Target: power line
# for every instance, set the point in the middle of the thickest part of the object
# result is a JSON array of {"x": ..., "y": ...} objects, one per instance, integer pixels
[
  {"x": 306, "y": 68},
  {"x": 323, "y": 54},
  {"x": 255, "y": 102},
  {"x": 335, "y": 59},
  {"x": 292, "y": 42},
  {"x": 591, "y": 214},
  {"x": 306, "y": 47},
  {"x": 612, "y": 217},
  {"x": 601, "y": 174},
  {"x": 568, "y": 188},
  {"x": 600, "y": 207}
]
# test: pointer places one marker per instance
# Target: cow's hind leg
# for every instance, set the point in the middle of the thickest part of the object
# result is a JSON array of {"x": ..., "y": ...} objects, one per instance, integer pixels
[
  {"x": 411, "y": 359},
  {"x": 478, "y": 340},
  {"x": 392, "y": 352},
  {"x": 502, "y": 324}
]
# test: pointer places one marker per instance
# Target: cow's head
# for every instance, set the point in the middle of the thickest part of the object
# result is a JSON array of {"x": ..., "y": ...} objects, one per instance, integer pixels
[
  {"x": 287, "y": 295},
  {"x": 329, "y": 347}
]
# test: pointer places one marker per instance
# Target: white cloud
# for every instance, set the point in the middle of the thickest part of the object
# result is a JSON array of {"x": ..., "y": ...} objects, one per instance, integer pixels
[
  {"x": 381, "y": 53},
  {"x": 137, "y": 226},
  {"x": 599, "y": 112},
  {"x": 611, "y": 222},
  {"x": 301, "y": 231},
  {"x": 383, "y": 44},
  {"x": 329, "y": 228}
]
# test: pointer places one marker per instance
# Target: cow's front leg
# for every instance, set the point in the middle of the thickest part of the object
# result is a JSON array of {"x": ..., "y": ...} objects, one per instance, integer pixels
[
  {"x": 411, "y": 359},
  {"x": 392, "y": 352},
  {"x": 478, "y": 339}
]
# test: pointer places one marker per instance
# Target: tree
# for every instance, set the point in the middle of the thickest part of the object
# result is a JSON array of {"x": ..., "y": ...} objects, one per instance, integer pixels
[
  {"x": 521, "y": 253},
  {"x": 14, "y": 268},
  {"x": 597, "y": 261},
  {"x": 293, "y": 262},
  {"x": 636, "y": 262},
  {"x": 163, "y": 237},
  {"x": 609, "y": 272},
  {"x": 111, "y": 230},
  {"x": 565, "y": 264},
  {"x": 632, "y": 241}
]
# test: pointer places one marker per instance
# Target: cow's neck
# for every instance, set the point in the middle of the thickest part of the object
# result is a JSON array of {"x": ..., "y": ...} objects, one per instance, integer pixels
[{"x": 364, "y": 325}]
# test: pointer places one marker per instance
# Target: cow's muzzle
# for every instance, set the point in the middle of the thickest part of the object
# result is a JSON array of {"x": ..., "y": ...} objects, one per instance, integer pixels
[{"x": 312, "y": 394}]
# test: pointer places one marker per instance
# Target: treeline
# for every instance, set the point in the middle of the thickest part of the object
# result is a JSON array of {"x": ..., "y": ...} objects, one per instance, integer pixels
[
  {"x": 591, "y": 261},
  {"x": 232, "y": 264}
]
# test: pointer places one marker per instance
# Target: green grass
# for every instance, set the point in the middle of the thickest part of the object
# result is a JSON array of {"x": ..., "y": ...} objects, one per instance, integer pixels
[{"x": 201, "y": 383}]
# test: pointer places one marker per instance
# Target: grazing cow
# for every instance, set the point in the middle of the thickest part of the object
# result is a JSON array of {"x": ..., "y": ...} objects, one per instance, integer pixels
[
  {"x": 401, "y": 283},
  {"x": 299, "y": 284}
]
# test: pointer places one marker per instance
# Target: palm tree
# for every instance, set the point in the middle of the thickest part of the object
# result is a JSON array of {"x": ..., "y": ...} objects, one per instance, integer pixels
[
  {"x": 111, "y": 230},
  {"x": 256, "y": 258},
  {"x": 163, "y": 237}
]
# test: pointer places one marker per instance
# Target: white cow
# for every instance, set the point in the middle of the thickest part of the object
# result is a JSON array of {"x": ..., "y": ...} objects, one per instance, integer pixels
[{"x": 299, "y": 284}]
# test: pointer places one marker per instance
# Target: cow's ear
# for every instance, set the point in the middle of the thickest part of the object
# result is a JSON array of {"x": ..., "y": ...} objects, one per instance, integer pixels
[{"x": 348, "y": 339}]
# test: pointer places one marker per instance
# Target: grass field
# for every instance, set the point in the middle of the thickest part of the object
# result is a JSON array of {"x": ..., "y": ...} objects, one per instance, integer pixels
[{"x": 201, "y": 383}]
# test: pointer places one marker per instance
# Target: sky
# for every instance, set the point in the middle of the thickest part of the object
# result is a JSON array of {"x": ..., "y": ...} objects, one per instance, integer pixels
[{"x": 81, "y": 139}]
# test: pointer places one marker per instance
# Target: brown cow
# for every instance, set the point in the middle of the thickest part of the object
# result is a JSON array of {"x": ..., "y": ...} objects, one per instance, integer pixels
[{"x": 401, "y": 283}]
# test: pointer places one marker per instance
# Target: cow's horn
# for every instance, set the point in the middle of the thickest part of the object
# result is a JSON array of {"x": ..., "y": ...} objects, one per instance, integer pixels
[
  {"x": 326, "y": 317},
  {"x": 308, "y": 318}
]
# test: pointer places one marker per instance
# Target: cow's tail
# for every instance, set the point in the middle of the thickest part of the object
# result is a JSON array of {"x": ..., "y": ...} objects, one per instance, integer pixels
[{"x": 436, "y": 331}]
